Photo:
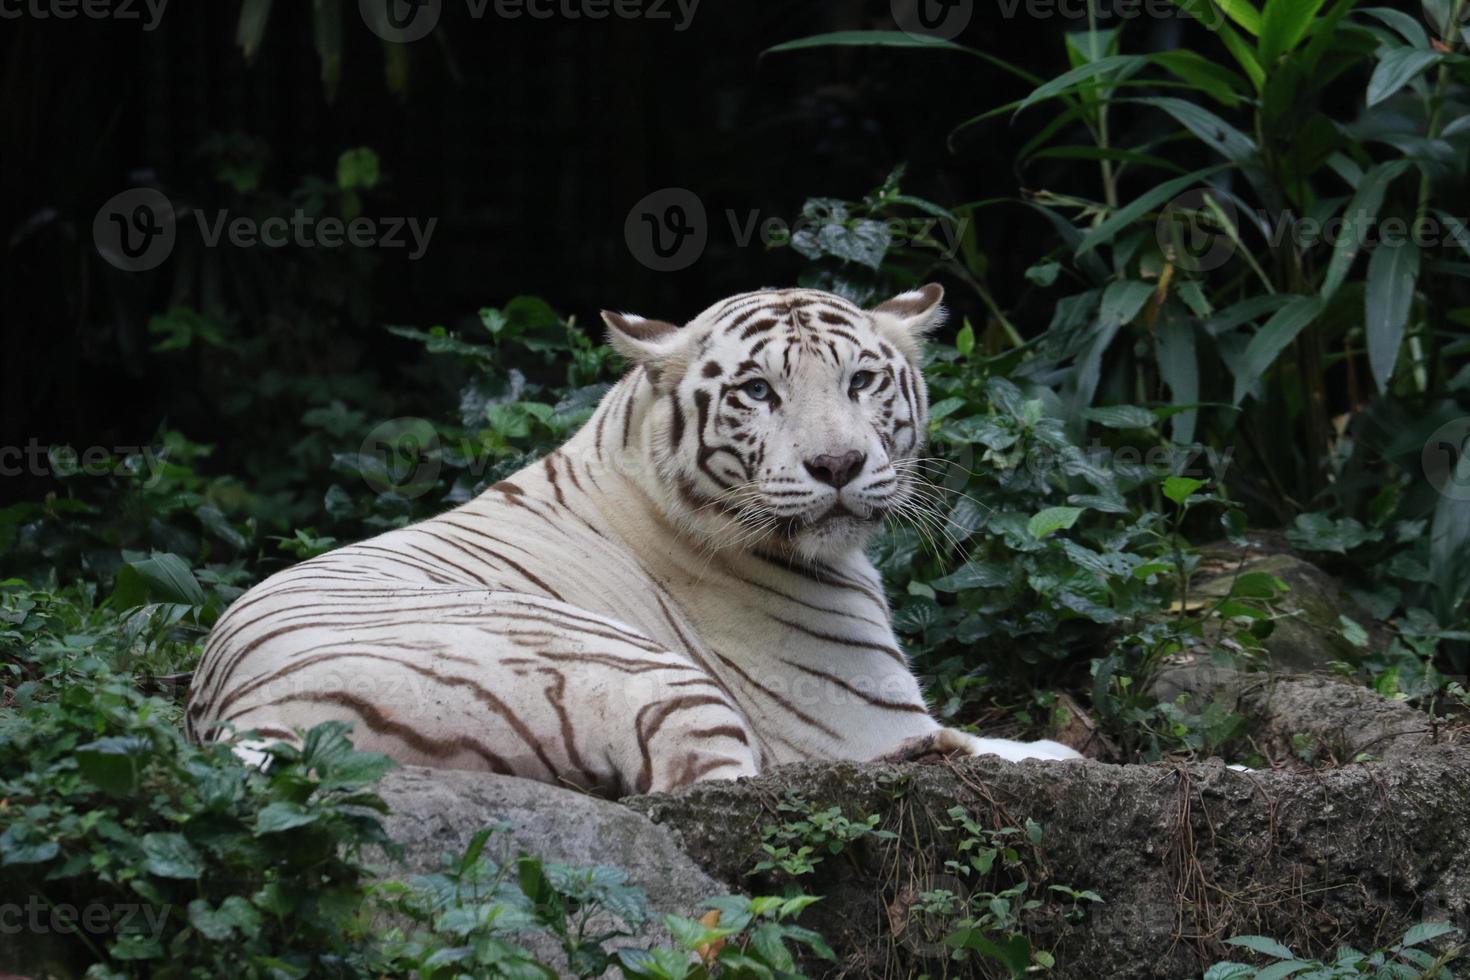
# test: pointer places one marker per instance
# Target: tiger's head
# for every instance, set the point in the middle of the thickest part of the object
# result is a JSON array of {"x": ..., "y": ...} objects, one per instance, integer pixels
[{"x": 789, "y": 416}]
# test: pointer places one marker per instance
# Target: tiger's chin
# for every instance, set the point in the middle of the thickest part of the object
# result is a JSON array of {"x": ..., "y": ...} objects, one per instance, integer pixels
[{"x": 837, "y": 531}]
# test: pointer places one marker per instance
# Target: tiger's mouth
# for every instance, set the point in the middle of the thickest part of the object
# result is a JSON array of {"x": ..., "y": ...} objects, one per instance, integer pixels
[{"x": 838, "y": 514}]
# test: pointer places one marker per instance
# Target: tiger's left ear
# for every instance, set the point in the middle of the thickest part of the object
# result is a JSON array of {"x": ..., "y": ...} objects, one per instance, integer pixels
[
  {"x": 654, "y": 345},
  {"x": 907, "y": 318}
]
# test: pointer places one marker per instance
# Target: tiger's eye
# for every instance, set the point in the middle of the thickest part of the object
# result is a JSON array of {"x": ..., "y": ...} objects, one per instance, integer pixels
[
  {"x": 758, "y": 389},
  {"x": 860, "y": 380}
]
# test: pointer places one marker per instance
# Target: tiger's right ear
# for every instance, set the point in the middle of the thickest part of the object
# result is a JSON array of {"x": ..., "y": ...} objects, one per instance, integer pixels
[{"x": 644, "y": 342}]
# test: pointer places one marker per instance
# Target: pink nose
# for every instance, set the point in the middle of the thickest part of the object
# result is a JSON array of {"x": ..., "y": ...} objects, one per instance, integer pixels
[{"x": 837, "y": 471}]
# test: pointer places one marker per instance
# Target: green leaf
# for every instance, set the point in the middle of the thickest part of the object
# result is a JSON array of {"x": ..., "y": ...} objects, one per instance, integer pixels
[
  {"x": 171, "y": 856},
  {"x": 1111, "y": 68},
  {"x": 1263, "y": 945},
  {"x": 1129, "y": 213},
  {"x": 1406, "y": 25},
  {"x": 1362, "y": 212},
  {"x": 964, "y": 341},
  {"x": 1179, "y": 488},
  {"x": 1207, "y": 127},
  {"x": 113, "y": 763},
  {"x": 1244, "y": 13},
  {"x": 1393, "y": 273},
  {"x": 1122, "y": 301},
  {"x": 1051, "y": 520},
  {"x": 1215, "y": 80},
  {"x": 896, "y": 39},
  {"x": 1283, "y": 25},
  {"x": 1258, "y": 585},
  {"x": 162, "y": 578},
  {"x": 1272, "y": 339},
  {"x": 976, "y": 574},
  {"x": 251, "y": 27},
  {"x": 1178, "y": 363},
  {"x": 1121, "y": 417},
  {"x": 283, "y": 815},
  {"x": 1396, "y": 69},
  {"x": 1425, "y": 932}
]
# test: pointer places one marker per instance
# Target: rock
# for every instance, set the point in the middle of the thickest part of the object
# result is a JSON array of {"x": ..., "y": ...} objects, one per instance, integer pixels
[
  {"x": 435, "y": 811},
  {"x": 1183, "y": 856},
  {"x": 1310, "y": 635},
  {"x": 1326, "y": 718}
]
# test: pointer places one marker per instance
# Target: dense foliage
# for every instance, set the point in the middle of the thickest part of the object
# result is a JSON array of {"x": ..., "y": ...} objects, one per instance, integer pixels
[{"x": 1195, "y": 362}]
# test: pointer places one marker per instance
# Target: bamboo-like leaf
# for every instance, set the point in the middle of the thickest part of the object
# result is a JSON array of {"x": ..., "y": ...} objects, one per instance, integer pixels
[
  {"x": 1393, "y": 273},
  {"x": 1209, "y": 128},
  {"x": 1272, "y": 339},
  {"x": 1243, "y": 52},
  {"x": 1398, "y": 68},
  {"x": 1212, "y": 78},
  {"x": 1131, "y": 212},
  {"x": 1118, "y": 65},
  {"x": 1407, "y": 26},
  {"x": 1283, "y": 26},
  {"x": 326, "y": 23},
  {"x": 251, "y": 27},
  {"x": 1361, "y": 212},
  {"x": 896, "y": 39},
  {"x": 1179, "y": 370},
  {"x": 1244, "y": 13}
]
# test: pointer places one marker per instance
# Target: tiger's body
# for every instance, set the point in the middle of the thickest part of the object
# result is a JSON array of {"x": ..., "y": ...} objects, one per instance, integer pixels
[{"x": 677, "y": 593}]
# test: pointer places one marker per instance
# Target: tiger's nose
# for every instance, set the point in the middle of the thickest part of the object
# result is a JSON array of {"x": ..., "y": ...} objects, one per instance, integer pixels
[{"x": 837, "y": 471}]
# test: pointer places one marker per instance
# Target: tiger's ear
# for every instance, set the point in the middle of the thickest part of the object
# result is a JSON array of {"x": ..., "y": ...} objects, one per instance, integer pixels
[
  {"x": 651, "y": 344},
  {"x": 908, "y": 318}
]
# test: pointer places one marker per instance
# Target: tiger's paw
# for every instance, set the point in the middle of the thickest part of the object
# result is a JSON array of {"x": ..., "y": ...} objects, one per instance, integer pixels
[{"x": 950, "y": 741}]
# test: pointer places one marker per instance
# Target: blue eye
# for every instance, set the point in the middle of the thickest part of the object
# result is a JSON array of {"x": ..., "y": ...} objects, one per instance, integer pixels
[
  {"x": 860, "y": 380},
  {"x": 757, "y": 389}
]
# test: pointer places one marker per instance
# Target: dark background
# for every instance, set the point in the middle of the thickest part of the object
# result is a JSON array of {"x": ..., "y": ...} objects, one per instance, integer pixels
[{"x": 529, "y": 140}]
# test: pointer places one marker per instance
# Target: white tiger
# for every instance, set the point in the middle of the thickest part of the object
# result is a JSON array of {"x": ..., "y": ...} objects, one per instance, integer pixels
[{"x": 678, "y": 593}]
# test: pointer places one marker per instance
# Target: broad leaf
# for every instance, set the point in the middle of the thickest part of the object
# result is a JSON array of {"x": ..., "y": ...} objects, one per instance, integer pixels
[{"x": 1393, "y": 273}]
